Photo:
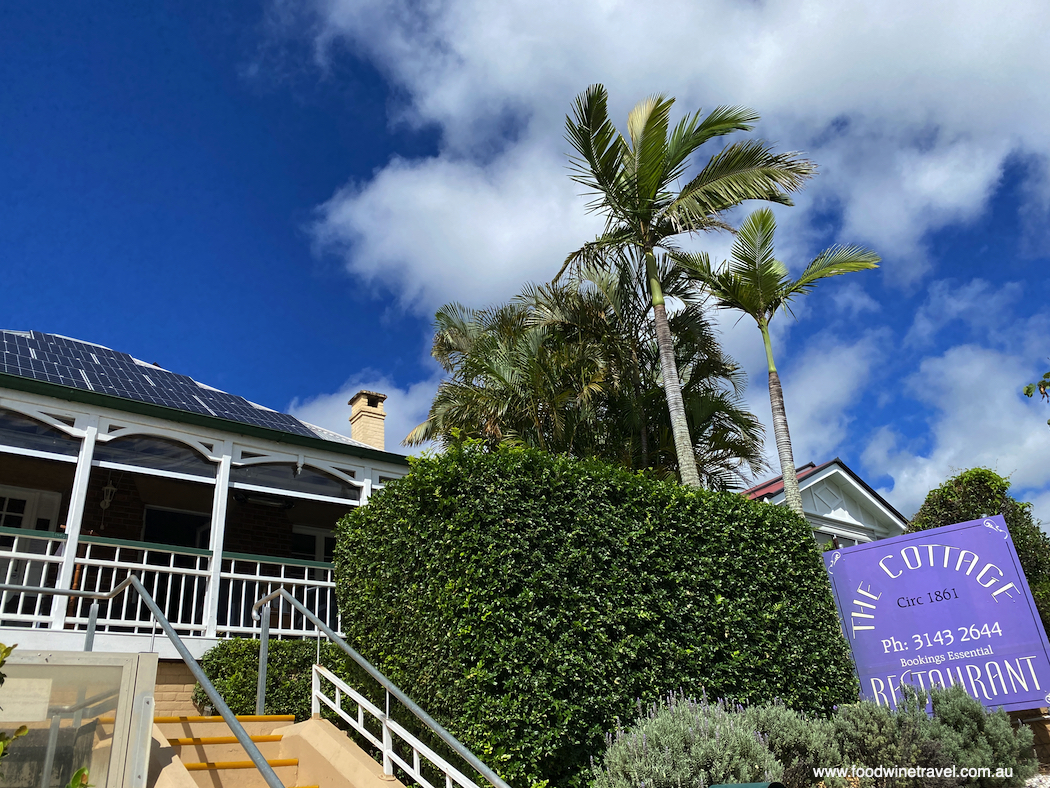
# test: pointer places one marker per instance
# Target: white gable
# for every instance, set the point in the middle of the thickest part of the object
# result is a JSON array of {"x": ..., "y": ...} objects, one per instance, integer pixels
[{"x": 836, "y": 504}]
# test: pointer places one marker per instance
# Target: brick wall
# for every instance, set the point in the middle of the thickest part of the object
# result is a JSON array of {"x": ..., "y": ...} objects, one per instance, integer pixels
[
  {"x": 174, "y": 691},
  {"x": 123, "y": 518},
  {"x": 257, "y": 529}
]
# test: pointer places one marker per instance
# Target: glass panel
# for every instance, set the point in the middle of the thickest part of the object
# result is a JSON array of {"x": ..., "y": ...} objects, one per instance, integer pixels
[
  {"x": 283, "y": 477},
  {"x": 159, "y": 453},
  {"x": 304, "y": 546},
  {"x": 26, "y": 433},
  {"x": 65, "y": 708},
  {"x": 11, "y": 511},
  {"x": 176, "y": 528}
]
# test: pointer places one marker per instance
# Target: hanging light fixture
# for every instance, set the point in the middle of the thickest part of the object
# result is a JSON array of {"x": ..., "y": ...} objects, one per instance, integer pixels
[{"x": 107, "y": 493}]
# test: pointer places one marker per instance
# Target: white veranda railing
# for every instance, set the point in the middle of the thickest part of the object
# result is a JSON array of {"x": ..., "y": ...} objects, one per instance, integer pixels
[
  {"x": 28, "y": 558},
  {"x": 176, "y": 577},
  {"x": 389, "y": 730},
  {"x": 246, "y": 578}
]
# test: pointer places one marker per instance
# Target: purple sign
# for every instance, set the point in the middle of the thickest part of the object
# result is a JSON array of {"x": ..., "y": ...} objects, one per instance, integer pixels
[{"x": 940, "y": 607}]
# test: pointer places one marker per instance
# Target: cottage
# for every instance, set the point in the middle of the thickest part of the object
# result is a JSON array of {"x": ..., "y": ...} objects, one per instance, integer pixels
[
  {"x": 110, "y": 465},
  {"x": 837, "y": 503}
]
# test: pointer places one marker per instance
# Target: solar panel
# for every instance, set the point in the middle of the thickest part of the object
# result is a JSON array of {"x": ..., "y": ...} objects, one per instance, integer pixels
[{"x": 80, "y": 365}]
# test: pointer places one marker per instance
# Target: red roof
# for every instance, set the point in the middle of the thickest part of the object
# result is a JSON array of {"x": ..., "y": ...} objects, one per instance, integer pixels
[{"x": 776, "y": 486}]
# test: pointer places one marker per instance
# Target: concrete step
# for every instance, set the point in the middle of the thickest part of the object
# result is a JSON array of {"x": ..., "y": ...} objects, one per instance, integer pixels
[
  {"x": 240, "y": 773},
  {"x": 223, "y": 748},
  {"x": 203, "y": 727}
]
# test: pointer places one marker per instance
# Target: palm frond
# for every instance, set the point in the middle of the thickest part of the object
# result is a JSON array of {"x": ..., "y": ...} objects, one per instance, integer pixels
[
  {"x": 600, "y": 148},
  {"x": 692, "y": 132},
  {"x": 835, "y": 261},
  {"x": 647, "y": 126},
  {"x": 746, "y": 170}
]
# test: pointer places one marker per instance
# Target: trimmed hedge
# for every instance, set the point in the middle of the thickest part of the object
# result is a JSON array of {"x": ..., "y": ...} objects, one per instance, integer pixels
[
  {"x": 527, "y": 601},
  {"x": 233, "y": 667}
]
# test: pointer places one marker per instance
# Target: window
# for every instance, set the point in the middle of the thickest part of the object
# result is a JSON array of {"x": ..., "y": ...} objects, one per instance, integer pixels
[
  {"x": 312, "y": 544},
  {"x": 285, "y": 477},
  {"x": 26, "y": 433},
  {"x": 174, "y": 527},
  {"x": 36, "y": 510},
  {"x": 158, "y": 453},
  {"x": 12, "y": 511}
]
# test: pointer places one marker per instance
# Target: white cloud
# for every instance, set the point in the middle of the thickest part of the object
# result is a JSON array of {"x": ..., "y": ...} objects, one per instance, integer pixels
[
  {"x": 819, "y": 390},
  {"x": 851, "y": 300},
  {"x": 911, "y": 109},
  {"x": 980, "y": 419},
  {"x": 405, "y": 407},
  {"x": 977, "y": 304},
  {"x": 440, "y": 230}
]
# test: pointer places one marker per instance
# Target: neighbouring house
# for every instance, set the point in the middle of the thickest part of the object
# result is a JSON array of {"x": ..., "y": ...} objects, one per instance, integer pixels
[
  {"x": 837, "y": 503},
  {"x": 110, "y": 465}
]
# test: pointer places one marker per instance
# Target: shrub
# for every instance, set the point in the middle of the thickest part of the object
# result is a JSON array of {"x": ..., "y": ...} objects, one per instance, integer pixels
[
  {"x": 5, "y": 737},
  {"x": 233, "y": 667},
  {"x": 960, "y": 732},
  {"x": 974, "y": 737},
  {"x": 527, "y": 600},
  {"x": 980, "y": 492},
  {"x": 800, "y": 744},
  {"x": 681, "y": 742}
]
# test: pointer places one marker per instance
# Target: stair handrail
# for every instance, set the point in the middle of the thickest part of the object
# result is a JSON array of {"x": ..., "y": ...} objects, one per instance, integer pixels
[
  {"x": 245, "y": 740},
  {"x": 458, "y": 747}
]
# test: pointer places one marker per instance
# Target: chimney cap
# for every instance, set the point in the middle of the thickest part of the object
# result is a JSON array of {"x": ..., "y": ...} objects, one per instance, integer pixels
[{"x": 375, "y": 399}]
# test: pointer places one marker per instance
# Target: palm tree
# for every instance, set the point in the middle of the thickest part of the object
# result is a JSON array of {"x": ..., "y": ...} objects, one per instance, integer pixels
[
  {"x": 757, "y": 284},
  {"x": 634, "y": 182},
  {"x": 573, "y": 367}
]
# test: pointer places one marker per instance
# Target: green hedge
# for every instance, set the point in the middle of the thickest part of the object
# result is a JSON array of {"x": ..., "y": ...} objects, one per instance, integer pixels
[
  {"x": 233, "y": 667},
  {"x": 528, "y": 601}
]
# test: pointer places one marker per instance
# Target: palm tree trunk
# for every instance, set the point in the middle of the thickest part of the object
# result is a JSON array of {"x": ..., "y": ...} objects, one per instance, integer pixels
[
  {"x": 683, "y": 445},
  {"x": 792, "y": 496}
]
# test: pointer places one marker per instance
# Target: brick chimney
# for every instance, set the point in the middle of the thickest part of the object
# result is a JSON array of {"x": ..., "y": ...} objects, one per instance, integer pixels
[{"x": 366, "y": 418}]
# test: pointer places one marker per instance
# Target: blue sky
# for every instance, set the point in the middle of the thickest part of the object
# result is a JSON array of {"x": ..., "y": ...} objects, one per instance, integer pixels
[{"x": 274, "y": 197}]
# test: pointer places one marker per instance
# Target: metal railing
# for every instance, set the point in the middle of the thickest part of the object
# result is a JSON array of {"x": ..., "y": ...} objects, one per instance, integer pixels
[
  {"x": 218, "y": 703},
  {"x": 245, "y": 578},
  {"x": 178, "y": 578},
  {"x": 390, "y": 728}
]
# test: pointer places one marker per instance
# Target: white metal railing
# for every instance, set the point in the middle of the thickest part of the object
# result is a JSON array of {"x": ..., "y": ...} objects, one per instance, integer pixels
[
  {"x": 176, "y": 577},
  {"x": 28, "y": 558},
  {"x": 389, "y": 730},
  {"x": 246, "y": 578}
]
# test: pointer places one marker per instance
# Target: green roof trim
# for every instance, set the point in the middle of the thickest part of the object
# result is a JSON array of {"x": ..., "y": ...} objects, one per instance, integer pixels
[
  {"x": 31, "y": 533},
  {"x": 157, "y": 546},
  {"x": 252, "y": 558},
  {"x": 70, "y": 394}
]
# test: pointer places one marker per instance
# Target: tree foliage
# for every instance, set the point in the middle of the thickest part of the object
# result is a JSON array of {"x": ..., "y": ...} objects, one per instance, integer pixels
[
  {"x": 980, "y": 492},
  {"x": 1042, "y": 386},
  {"x": 527, "y": 600},
  {"x": 758, "y": 284},
  {"x": 573, "y": 367},
  {"x": 635, "y": 179}
]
